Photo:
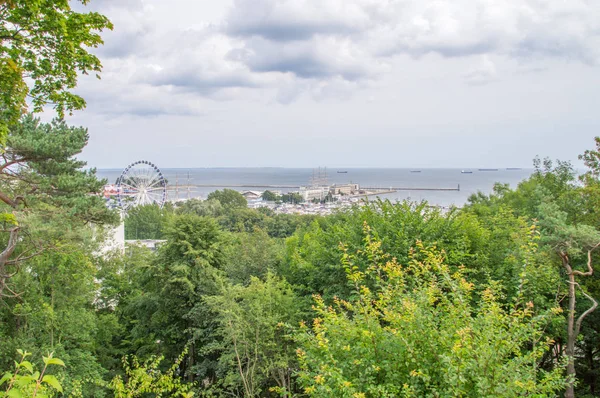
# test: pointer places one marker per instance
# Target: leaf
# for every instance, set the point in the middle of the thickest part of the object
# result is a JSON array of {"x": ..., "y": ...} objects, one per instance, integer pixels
[
  {"x": 7, "y": 376},
  {"x": 9, "y": 218},
  {"x": 27, "y": 365},
  {"x": 14, "y": 393},
  {"x": 54, "y": 361},
  {"x": 51, "y": 380}
]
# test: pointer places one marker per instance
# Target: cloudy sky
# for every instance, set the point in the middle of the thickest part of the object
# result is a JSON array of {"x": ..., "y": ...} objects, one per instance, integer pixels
[{"x": 344, "y": 83}]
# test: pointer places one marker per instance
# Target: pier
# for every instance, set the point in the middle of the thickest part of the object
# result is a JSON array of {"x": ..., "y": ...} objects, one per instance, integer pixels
[
  {"x": 411, "y": 189},
  {"x": 247, "y": 186}
]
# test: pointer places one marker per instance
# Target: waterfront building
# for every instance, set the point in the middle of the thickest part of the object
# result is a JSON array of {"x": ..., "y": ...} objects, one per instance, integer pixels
[
  {"x": 344, "y": 189},
  {"x": 252, "y": 195},
  {"x": 310, "y": 193}
]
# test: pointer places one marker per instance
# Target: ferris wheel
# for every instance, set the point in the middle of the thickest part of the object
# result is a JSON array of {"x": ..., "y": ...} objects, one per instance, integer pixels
[{"x": 141, "y": 183}]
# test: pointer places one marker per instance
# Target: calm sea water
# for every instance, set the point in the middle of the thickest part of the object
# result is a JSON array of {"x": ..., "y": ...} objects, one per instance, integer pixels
[{"x": 367, "y": 177}]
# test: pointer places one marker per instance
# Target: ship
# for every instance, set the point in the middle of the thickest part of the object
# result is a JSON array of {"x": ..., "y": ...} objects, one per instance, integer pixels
[
  {"x": 342, "y": 172},
  {"x": 466, "y": 172},
  {"x": 513, "y": 168},
  {"x": 415, "y": 171},
  {"x": 488, "y": 169}
]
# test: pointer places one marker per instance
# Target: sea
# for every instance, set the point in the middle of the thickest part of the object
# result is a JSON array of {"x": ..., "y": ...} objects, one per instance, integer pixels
[{"x": 187, "y": 183}]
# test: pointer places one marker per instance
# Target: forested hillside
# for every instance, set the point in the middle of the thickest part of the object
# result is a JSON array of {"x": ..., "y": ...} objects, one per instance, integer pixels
[{"x": 386, "y": 299}]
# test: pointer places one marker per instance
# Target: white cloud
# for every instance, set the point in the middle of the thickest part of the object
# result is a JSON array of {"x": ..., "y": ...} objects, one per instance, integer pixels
[{"x": 329, "y": 48}]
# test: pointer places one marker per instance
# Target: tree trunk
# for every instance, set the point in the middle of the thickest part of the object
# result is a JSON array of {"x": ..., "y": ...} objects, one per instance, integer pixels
[
  {"x": 570, "y": 392},
  {"x": 573, "y": 328},
  {"x": 5, "y": 256}
]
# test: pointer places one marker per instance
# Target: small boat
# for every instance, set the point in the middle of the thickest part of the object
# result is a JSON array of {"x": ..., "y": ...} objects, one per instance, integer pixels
[
  {"x": 342, "y": 172},
  {"x": 466, "y": 172},
  {"x": 513, "y": 168},
  {"x": 415, "y": 171},
  {"x": 488, "y": 169}
]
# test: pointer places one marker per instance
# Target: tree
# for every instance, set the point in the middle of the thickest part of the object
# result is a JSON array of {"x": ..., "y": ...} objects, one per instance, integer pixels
[
  {"x": 169, "y": 314},
  {"x": 43, "y": 47},
  {"x": 417, "y": 330},
  {"x": 292, "y": 197},
  {"x": 567, "y": 215},
  {"x": 209, "y": 208},
  {"x": 229, "y": 199},
  {"x": 251, "y": 254},
  {"x": 44, "y": 191},
  {"x": 571, "y": 243},
  {"x": 270, "y": 196},
  {"x": 255, "y": 323},
  {"x": 145, "y": 222}
]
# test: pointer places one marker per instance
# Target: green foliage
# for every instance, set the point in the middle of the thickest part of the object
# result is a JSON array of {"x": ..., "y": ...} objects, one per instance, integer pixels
[
  {"x": 417, "y": 330},
  {"x": 291, "y": 197},
  {"x": 255, "y": 322},
  {"x": 147, "y": 378},
  {"x": 54, "y": 312},
  {"x": 45, "y": 191},
  {"x": 25, "y": 381},
  {"x": 165, "y": 308},
  {"x": 270, "y": 196},
  {"x": 208, "y": 208},
  {"x": 44, "y": 46},
  {"x": 146, "y": 222},
  {"x": 229, "y": 199},
  {"x": 313, "y": 253},
  {"x": 252, "y": 254}
]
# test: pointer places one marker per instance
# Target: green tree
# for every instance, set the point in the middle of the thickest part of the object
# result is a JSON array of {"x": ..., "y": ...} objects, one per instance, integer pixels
[
  {"x": 44, "y": 45},
  {"x": 573, "y": 244},
  {"x": 313, "y": 253},
  {"x": 270, "y": 196},
  {"x": 45, "y": 193},
  {"x": 252, "y": 254},
  {"x": 229, "y": 199},
  {"x": 292, "y": 197},
  {"x": 169, "y": 313},
  {"x": 418, "y": 330},
  {"x": 209, "y": 208},
  {"x": 255, "y": 323},
  {"x": 55, "y": 313},
  {"x": 566, "y": 212},
  {"x": 146, "y": 222}
]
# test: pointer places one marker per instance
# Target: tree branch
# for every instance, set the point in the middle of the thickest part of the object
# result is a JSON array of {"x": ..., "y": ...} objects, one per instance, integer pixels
[
  {"x": 590, "y": 270},
  {"x": 586, "y": 313},
  {"x": 4, "y": 198},
  {"x": 10, "y": 247},
  {"x": 10, "y": 163}
]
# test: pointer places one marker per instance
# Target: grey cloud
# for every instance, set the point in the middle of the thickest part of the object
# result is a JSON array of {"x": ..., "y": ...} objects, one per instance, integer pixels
[
  {"x": 286, "y": 31},
  {"x": 287, "y": 20},
  {"x": 199, "y": 81},
  {"x": 319, "y": 58}
]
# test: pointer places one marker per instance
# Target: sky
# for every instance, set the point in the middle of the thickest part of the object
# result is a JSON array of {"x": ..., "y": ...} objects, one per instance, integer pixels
[{"x": 343, "y": 83}]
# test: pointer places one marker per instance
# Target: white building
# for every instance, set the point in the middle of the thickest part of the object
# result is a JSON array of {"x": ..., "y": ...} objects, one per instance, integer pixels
[
  {"x": 252, "y": 195},
  {"x": 310, "y": 193}
]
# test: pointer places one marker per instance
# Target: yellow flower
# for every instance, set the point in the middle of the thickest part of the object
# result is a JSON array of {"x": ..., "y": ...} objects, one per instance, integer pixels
[
  {"x": 359, "y": 395},
  {"x": 319, "y": 379}
]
